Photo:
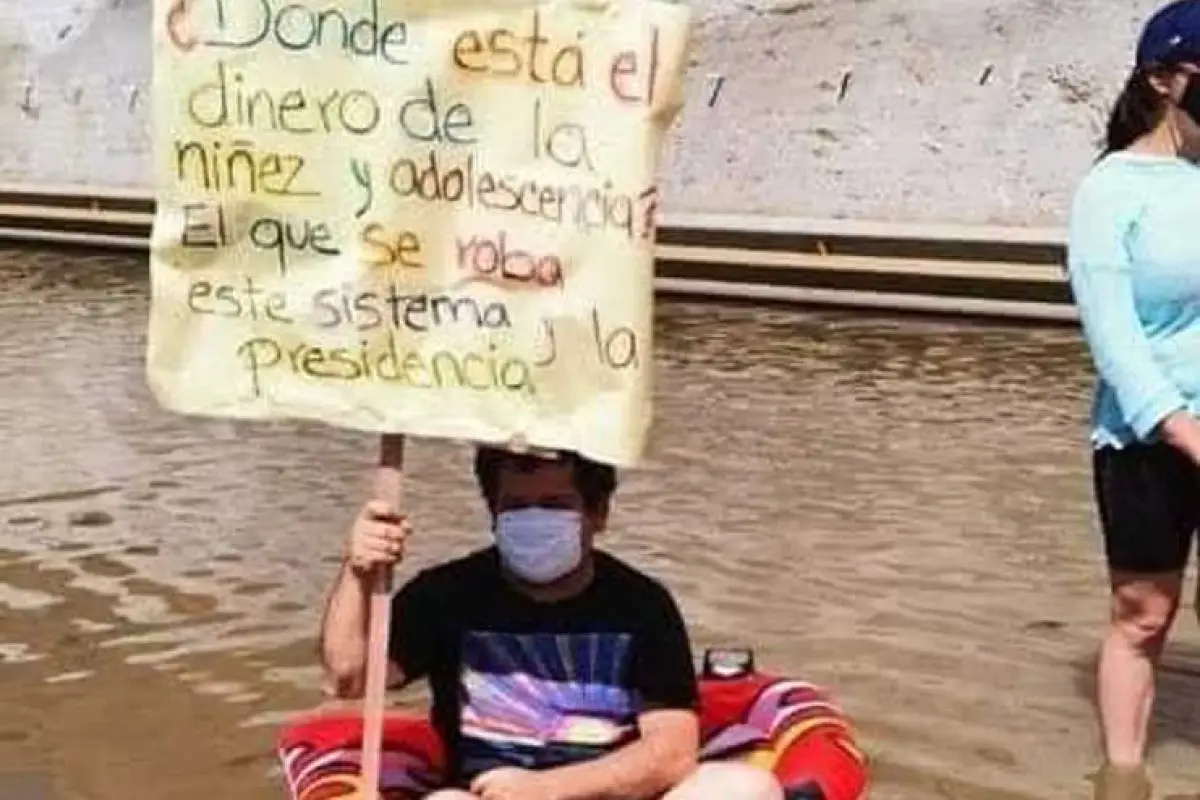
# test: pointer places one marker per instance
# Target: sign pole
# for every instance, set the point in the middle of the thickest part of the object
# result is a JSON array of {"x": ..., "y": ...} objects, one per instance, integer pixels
[{"x": 389, "y": 487}]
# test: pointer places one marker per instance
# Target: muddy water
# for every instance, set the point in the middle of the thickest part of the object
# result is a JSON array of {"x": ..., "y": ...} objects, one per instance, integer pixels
[{"x": 899, "y": 510}]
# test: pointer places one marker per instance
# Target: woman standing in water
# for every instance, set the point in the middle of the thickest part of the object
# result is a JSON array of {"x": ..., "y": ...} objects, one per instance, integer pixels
[{"x": 1134, "y": 263}]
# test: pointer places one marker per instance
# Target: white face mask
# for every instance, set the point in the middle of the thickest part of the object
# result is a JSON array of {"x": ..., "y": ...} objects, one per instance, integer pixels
[{"x": 540, "y": 545}]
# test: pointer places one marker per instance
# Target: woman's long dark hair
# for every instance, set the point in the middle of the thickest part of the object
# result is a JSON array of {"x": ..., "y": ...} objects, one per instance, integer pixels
[{"x": 1137, "y": 111}]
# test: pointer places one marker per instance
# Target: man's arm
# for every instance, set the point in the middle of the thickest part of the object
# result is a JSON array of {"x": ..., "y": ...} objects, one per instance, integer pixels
[
  {"x": 377, "y": 539},
  {"x": 343, "y": 640},
  {"x": 666, "y": 752},
  {"x": 648, "y": 767}
]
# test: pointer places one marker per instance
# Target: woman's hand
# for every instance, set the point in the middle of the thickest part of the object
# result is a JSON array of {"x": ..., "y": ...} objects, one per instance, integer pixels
[{"x": 1181, "y": 430}]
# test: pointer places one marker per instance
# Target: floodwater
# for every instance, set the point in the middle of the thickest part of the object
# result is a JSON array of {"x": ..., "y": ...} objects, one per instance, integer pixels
[{"x": 897, "y": 509}]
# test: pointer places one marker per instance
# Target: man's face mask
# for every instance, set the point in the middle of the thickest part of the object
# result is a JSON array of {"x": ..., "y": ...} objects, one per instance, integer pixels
[{"x": 540, "y": 545}]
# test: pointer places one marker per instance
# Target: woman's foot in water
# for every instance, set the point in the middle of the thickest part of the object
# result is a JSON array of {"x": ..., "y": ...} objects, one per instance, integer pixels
[{"x": 1118, "y": 782}]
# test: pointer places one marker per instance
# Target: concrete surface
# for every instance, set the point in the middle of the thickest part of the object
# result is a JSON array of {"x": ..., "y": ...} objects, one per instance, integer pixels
[{"x": 968, "y": 111}]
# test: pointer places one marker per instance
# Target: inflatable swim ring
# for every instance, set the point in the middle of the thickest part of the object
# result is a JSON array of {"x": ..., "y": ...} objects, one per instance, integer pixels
[{"x": 789, "y": 727}]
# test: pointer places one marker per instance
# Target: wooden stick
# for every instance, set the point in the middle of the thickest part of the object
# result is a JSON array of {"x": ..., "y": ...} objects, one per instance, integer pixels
[{"x": 389, "y": 486}]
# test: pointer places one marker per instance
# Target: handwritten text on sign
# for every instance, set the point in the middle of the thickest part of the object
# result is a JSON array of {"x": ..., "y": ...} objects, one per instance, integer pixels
[{"x": 423, "y": 216}]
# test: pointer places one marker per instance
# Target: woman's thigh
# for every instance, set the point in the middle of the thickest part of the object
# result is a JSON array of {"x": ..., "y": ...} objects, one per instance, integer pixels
[{"x": 1149, "y": 501}]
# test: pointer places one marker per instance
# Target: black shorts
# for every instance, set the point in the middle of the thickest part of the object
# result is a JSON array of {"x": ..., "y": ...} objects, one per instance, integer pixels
[{"x": 1149, "y": 498}]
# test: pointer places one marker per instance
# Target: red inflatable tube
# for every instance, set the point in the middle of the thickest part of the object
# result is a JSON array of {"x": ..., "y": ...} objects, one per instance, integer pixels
[{"x": 786, "y": 726}]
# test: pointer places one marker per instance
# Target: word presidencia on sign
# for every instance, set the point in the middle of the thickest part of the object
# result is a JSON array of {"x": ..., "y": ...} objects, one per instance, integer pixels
[{"x": 430, "y": 217}]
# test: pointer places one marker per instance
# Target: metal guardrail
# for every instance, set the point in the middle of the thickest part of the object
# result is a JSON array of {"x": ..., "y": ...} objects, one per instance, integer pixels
[{"x": 996, "y": 272}]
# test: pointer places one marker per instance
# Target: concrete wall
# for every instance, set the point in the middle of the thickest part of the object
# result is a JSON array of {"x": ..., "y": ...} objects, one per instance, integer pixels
[{"x": 971, "y": 111}]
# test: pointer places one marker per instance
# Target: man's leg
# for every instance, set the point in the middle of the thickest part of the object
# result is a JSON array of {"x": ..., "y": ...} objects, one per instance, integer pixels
[{"x": 727, "y": 781}]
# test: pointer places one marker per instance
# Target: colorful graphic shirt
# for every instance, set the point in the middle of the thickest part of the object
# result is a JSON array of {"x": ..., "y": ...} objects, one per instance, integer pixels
[{"x": 536, "y": 685}]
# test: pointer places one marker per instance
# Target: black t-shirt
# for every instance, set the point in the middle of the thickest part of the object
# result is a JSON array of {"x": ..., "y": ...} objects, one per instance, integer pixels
[{"x": 520, "y": 683}]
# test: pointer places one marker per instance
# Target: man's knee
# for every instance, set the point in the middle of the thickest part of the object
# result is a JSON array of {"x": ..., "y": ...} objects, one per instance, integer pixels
[{"x": 729, "y": 781}]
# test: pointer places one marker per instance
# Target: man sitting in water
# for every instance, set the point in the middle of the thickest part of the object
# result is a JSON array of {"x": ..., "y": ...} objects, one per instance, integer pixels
[{"x": 558, "y": 672}]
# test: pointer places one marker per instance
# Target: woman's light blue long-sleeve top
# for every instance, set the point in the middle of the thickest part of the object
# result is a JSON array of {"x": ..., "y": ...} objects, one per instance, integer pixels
[{"x": 1134, "y": 265}]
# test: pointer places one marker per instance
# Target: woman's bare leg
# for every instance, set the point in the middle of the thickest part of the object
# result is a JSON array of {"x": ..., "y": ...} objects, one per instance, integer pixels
[{"x": 1143, "y": 607}]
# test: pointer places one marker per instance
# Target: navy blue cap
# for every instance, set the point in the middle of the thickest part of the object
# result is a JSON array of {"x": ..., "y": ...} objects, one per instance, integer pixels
[{"x": 1171, "y": 35}]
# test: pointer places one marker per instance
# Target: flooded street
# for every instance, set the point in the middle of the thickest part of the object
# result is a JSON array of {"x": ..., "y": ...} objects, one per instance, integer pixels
[{"x": 899, "y": 510}]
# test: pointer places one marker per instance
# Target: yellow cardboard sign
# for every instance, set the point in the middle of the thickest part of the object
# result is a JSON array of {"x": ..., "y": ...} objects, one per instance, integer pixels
[{"x": 432, "y": 217}]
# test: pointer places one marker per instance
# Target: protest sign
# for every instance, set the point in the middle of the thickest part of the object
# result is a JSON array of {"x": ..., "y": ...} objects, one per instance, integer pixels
[{"x": 431, "y": 217}]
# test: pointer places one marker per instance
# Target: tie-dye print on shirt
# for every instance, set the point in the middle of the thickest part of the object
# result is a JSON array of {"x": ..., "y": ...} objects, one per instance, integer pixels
[{"x": 544, "y": 699}]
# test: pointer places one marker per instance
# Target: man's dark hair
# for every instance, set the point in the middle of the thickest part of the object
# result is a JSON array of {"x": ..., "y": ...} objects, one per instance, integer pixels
[{"x": 594, "y": 481}]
